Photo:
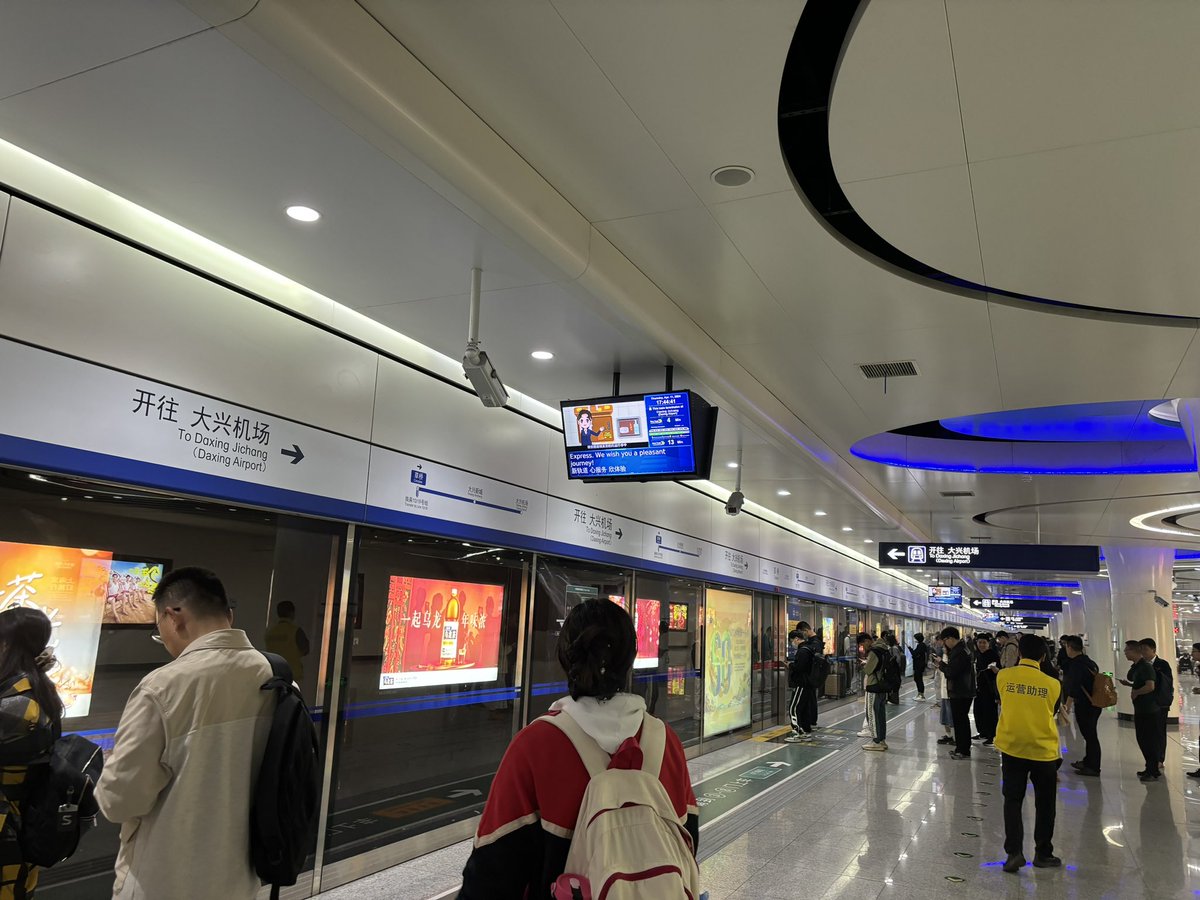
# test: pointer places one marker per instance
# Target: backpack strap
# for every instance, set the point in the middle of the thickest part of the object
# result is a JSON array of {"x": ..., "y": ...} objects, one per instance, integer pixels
[
  {"x": 594, "y": 759},
  {"x": 279, "y": 668},
  {"x": 653, "y": 743}
]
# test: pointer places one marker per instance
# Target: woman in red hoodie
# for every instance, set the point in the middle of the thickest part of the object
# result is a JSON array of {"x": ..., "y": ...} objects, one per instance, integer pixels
[{"x": 523, "y": 838}]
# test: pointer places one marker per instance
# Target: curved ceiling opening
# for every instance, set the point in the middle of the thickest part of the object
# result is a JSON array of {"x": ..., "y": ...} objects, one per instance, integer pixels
[{"x": 825, "y": 30}]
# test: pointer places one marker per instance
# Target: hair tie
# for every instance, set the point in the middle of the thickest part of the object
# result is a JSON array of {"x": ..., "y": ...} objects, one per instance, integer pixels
[{"x": 46, "y": 660}]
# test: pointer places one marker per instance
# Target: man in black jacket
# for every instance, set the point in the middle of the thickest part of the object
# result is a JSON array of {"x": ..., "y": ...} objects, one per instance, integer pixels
[
  {"x": 960, "y": 688},
  {"x": 804, "y": 692},
  {"x": 920, "y": 659},
  {"x": 1164, "y": 685},
  {"x": 1079, "y": 679}
]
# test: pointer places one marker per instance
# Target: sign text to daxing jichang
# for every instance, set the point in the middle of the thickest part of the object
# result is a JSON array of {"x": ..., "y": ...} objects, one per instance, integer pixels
[
  {"x": 1030, "y": 557},
  {"x": 1017, "y": 603}
]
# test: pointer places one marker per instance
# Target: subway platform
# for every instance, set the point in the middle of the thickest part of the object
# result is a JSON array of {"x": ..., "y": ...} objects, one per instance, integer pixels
[{"x": 780, "y": 821}]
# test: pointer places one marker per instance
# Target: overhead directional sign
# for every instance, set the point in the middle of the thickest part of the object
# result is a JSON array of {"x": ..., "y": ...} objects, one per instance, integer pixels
[
  {"x": 1016, "y": 603},
  {"x": 1024, "y": 623},
  {"x": 1034, "y": 557}
]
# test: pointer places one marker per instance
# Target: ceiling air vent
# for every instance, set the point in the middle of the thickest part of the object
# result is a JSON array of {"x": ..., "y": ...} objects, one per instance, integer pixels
[
  {"x": 958, "y": 493},
  {"x": 889, "y": 369},
  {"x": 981, "y": 537}
]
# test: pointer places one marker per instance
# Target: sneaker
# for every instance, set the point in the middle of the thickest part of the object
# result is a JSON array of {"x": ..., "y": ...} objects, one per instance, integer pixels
[
  {"x": 866, "y": 732},
  {"x": 954, "y": 754},
  {"x": 1045, "y": 862},
  {"x": 1078, "y": 764},
  {"x": 1195, "y": 774},
  {"x": 1014, "y": 863},
  {"x": 793, "y": 739},
  {"x": 945, "y": 740},
  {"x": 920, "y": 698},
  {"x": 987, "y": 742},
  {"x": 1083, "y": 770},
  {"x": 1149, "y": 776},
  {"x": 979, "y": 737},
  {"x": 882, "y": 745}
]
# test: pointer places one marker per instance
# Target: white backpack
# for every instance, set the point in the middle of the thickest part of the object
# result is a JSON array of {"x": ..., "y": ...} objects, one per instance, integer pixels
[{"x": 628, "y": 843}]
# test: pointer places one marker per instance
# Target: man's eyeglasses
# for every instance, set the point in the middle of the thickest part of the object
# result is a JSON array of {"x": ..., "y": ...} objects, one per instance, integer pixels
[{"x": 155, "y": 636}]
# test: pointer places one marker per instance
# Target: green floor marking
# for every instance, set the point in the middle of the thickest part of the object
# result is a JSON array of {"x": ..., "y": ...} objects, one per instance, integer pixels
[{"x": 727, "y": 790}]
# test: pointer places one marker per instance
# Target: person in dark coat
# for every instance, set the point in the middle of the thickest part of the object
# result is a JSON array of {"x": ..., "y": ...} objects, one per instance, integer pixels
[
  {"x": 30, "y": 720},
  {"x": 987, "y": 708}
]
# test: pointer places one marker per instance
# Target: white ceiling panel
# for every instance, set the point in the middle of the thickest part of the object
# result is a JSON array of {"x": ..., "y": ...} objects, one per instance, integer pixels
[
  {"x": 1045, "y": 358},
  {"x": 1035, "y": 75},
  {"x": 587, "y": 347},
  {"x": 929, "y": 215},
  {"x": 957, "y": 366},
  {"x": 690, "y": 258},
  {"x": 44, "y": 40},
  {"x": 519, "y": 66},
  {"x": 823, "y": 285},
  {"x": 1110, "y": 225},
  {"x": 894, "y": 107},
  {"x": 185, "y": 114},
  {"x": 701, "y": 75}
]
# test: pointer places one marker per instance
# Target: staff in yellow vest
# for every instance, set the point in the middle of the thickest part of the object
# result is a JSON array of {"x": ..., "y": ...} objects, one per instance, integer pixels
[{"x": 1027, "y": 738}]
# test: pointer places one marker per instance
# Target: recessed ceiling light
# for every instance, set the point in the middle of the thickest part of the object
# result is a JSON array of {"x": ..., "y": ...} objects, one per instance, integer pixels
[
  {"x": 847, "y": 528},
  {"x": 819, "y": 512},
  {"x": 783, "y": 492},
  {"x": 87, "y": 496},
  {"x": 868, "y": 541},
  {"x": 542, "y": 354},
  {"x": 303, "y": 213},
  {"x": 465, "y": 544},
  {"x": 33, "y": 477},
  {"x": 731, "y": 465},
  {"x": 732, "y": 176},
  {"x": 63, "y": 499}
]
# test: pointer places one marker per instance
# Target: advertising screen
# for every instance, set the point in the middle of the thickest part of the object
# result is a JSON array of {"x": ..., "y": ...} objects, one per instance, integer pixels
[
  {"x": 639, "y": 437},
  {"x": 942, "y": 595},
  {"x": 727, "y": 662},
  {"x": 829, "y": 636},
  {"x": 69, "y": 585},
  {"x": 647, "y": 623},
  {"x": 131, "y": 585},
  {"x": 676, "y": 682},
  {"x": 440, "y": 632},
  {"x": 677, "y": 616}
]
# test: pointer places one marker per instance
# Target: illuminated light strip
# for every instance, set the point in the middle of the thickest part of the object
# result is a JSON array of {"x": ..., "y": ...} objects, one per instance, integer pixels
[
  {"x": 1027, "y": 597},
  {"x": 1140, "y": 521},
  {"x": 1049, "y": 584}
]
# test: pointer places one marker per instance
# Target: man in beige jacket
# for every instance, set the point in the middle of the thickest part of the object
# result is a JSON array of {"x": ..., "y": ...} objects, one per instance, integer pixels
[{"x": 181, "y": 775}]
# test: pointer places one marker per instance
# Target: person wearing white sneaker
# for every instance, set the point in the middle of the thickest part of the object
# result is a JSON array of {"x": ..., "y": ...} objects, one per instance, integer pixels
[{"x": 877, "y": 694}]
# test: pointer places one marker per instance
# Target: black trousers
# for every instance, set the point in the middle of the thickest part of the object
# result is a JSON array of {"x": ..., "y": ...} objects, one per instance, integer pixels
[
  {"x": 919, "y": 678},
  {"x": 987, "y": 715},
  {"x": 1017, "y": 774},
  {"x": 1163, "y": 713},
  {"x": 1149, "y": 740},
  {"x": 960, "y": 709},
  {"x": 806, "y": 711},
  {"x": 1086, "y": 716}
]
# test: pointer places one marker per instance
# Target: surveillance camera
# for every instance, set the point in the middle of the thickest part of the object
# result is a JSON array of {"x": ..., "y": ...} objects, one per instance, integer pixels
[
  {"x": 1160, "y": 601},
  {"x": 484, "y": 378},
  {"x": 733, "y": 505}
]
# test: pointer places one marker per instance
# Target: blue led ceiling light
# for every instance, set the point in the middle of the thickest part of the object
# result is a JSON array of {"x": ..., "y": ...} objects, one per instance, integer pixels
[
  {"x": 1083, "y": 439},
  {"x": 1128, "y": 420},
  {"x": 1049, "y": 584}
]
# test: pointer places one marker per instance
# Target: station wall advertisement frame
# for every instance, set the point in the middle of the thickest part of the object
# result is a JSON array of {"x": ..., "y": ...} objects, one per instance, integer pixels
[{"x": 727, "y": 635}]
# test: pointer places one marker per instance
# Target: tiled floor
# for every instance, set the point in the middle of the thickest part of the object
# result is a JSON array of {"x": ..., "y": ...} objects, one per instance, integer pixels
[{"x": 911, "y": 823}]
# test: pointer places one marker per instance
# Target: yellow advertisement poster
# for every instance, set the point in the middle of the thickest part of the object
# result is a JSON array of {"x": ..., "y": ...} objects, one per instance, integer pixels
[
  {"x": 70, "y": 587},
  {"x": 727, "y": 662}
]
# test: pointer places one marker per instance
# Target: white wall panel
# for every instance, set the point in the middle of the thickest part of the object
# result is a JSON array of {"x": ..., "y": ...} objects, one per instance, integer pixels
[
  {"x": 742, "y": 532},
  {"x": 417, "y": 415},
  {"x": 680, "y": 508},
  {"x": 5, "y": 199},
  {"x": 70, "y": 289}
]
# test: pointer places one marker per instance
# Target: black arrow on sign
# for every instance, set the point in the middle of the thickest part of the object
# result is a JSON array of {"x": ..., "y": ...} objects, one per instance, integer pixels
[
  {"x": 295, "y": 453},
  {"x": 619, "y": 534}
]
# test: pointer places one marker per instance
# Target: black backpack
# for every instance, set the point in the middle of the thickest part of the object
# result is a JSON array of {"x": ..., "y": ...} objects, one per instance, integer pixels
[
  {"x": 887, "y": 673},
  {"x": 60, "y": 802},
  {"x": 283, "y": 813},
  {"x": 1164, "y": 686},
  {"x": 819, "y": 671}
]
